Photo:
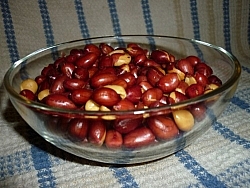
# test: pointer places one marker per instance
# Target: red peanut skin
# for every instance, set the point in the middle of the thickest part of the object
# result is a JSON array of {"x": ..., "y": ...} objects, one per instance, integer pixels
[
  {"x": 201, "y": 79},
  {"x": 193, "y": 60},
  {"x": 87, "y": 60},
  {"x": 129, "y": 78},
  {"x": 57, "y": 84},
  {"x": 154, "y": 76},
  {"x": 151, "y": 95},
  {"x": 124, "y": 105},
  {"x": 105, "y": 48},
  {"x": 204, "y": 69},
  {"x": 140, "y": 59},
  {"x": 28, "y": 94},
  {"x": 76, "y": 52},
  {"x": 135, "y": 50},
  {"x": 163, "y": 127},
  {"x": 169, "y": 82},
  {"x": 80, "y": 96},
  {"x": 67, "y": 68},
  {"x": 139, "y": 137},
  {"x": 199, "y": 111},
  {"x": 125, "y": 126},
  {"x": 102, "y": 79},
  {"x": 73, "y": 84},
  {"x": 80, "y": 73},
  {"x": 120, "y": 82},
  {"x": 59, "y": 101},
  {"x": 134, "y": 93},
  {"x": 161, "y": 56},
  {"x": 97, "y": 132},
  {"x": 78, "y": 129},
  {"x": 113, "y": 139},
  {"x": 185, "y": 66},
  {"x": 194, "y": 90},
  {"x": 105, "y": 96},
  {"x": 92, "y": 48}
]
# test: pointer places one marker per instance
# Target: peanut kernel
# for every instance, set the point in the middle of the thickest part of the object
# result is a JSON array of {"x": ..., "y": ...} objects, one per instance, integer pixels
[
  {"x": 118, "y": 89},
  {"x": 183, "y": 119},
  {"x": 92, "y": 106},
  {"x": 29, "y": 84}
]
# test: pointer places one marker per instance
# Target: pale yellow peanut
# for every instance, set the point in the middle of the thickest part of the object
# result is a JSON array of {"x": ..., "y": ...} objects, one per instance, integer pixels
[
  {"x": 180, "y": 74},
  {"x": 123, "y": 59},
  {"x": 117, "y": 52},
  {"x": 118, "y": 89},
  {"x": 29, "y": 84},
  {"x": 190, "y": 80},
  {"x": 42, "y": 94},
  {"x": 91, "y": 106},
  {"x": 106, "y": 117},
  {"x": 183, "y": 119}
]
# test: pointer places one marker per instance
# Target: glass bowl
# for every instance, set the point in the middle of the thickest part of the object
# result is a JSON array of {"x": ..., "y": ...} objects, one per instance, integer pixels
[{"x": 52, "y": 123}]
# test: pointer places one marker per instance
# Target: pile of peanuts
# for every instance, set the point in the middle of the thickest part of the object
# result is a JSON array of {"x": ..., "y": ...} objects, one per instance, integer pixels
[{"x": 103, "y": 78}]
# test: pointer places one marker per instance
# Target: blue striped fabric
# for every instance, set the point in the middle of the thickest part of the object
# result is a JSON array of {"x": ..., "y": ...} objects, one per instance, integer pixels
[
  {"x": 205, "y": 178},
  {"x": 195, "y": 19},
  {"x": 147, "y": 17},
  {"x": 48, "y": 30},
  {"x": 82, "y": 21},
  {"x": 148, "y": 22},
  {"x": 226, "y": 25},
  {"x": 196, "y": 27},
  {"x": 124, "y": 177},
  {"x": 51, "y": 169},
  {"x": 248, "y": 31},
  {"x": 9, "y": 31},
  {"x": 115, "y": 21},
  {"x": 10, "y": 36}
]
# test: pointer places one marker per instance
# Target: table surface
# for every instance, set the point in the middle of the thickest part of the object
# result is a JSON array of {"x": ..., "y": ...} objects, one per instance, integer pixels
[{"x": 220, "y": 158}]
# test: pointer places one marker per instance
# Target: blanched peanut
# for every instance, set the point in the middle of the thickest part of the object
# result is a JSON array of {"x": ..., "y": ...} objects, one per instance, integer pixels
[
  {"x": 118, "y": 89},
  {"x": 180, "y": 74},
  {"x": 125, "y": 67},
  {"x": 121, "y": 59},
  {"x": 42, "y": 94},
  {"x": 183, "y": 119},
  {"x": 116, "y": 52},
  {"x": 211, "y": 87},
  {"x": 91, "y": 106},
  {"x": 29, "y": 84},
  {"x": 190, "y": 80},
  {"x": 107, "y": 117}
]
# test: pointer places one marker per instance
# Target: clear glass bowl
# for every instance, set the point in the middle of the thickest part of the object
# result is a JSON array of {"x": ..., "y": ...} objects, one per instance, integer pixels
[{"x": 45, "y": 120}]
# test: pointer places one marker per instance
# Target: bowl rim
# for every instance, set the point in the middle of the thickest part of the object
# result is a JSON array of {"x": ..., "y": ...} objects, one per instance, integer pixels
[{"x": 33, "y": 104}]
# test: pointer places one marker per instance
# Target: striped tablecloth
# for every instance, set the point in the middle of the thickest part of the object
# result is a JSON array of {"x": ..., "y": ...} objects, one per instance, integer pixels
[{"x": 220, "y": 158}]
